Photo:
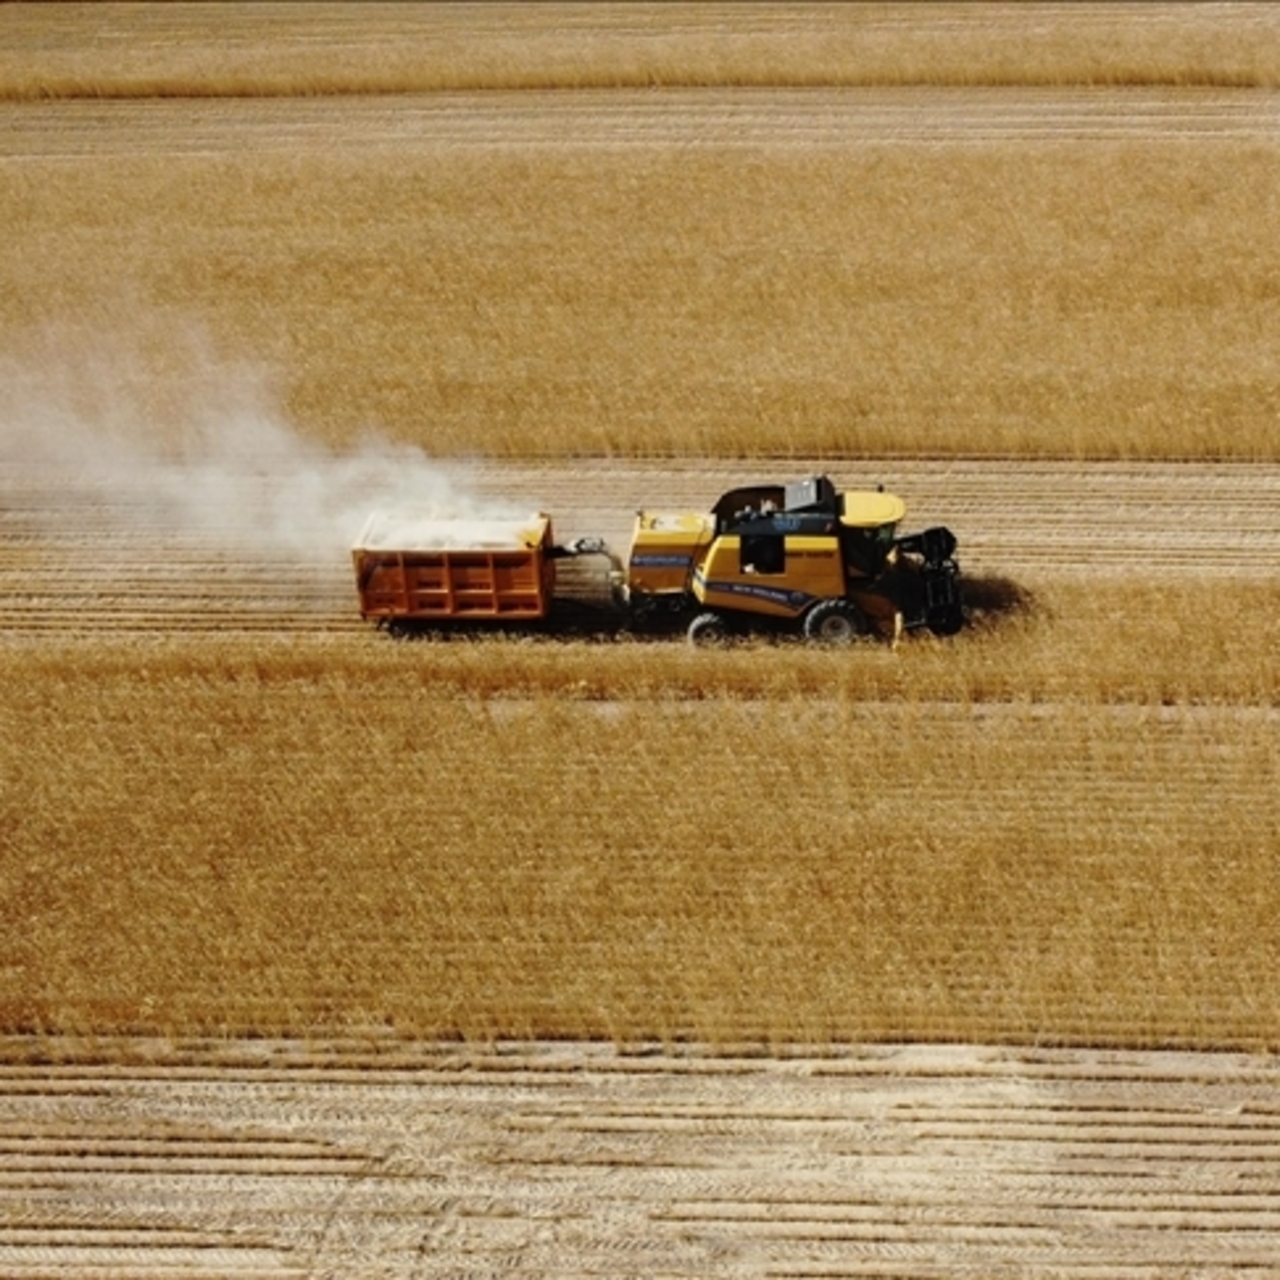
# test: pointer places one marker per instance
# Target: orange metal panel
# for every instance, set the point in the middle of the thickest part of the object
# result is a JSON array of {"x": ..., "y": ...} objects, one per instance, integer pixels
[{"x": 456, "y": 582}]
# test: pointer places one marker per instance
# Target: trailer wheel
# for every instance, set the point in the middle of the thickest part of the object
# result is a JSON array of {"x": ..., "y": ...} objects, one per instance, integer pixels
[
  {"x": 835, "y": 622},
  {"x": 708, "y": 628}
]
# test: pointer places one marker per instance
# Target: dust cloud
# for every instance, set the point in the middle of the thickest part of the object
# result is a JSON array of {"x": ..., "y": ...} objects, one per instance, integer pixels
[{"x": 194, "y": 447}]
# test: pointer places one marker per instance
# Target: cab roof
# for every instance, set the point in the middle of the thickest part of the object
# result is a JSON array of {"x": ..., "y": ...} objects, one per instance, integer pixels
[{"x": 863, "y": 509}]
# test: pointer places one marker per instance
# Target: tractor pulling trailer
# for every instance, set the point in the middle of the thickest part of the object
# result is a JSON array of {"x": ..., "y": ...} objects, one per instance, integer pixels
[{"x": 804, "y": 556}]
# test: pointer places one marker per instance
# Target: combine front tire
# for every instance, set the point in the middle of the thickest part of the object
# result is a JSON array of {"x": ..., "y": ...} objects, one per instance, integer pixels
[
  {"x": 708, "y": 628},
  {"x": 947, "y": 620},
  {"x": 835, "y": 622}
]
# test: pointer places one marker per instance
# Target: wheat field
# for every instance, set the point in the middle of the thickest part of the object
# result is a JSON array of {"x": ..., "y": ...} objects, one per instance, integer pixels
[
  {"x": 511, "y": 254},
  {"x": 176, "y": 49},
  {"x": 250, "y": 834},
  {"x": 584, "y": 952},
  {"x": 1113, "y": 301},
  {"x": 1033, "y": 835},
  {"x": 482, "y": 231}
]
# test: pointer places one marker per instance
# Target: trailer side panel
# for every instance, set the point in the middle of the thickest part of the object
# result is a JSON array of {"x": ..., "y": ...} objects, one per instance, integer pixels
[{"x": 457, "y": 582}]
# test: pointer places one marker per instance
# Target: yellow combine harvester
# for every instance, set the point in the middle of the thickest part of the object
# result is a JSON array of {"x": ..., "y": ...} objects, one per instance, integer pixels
[{"x": 803, "y": 554}]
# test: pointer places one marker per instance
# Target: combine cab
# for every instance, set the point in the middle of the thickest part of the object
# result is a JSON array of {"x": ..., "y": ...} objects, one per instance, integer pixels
[{"x": 803, "y": 554}]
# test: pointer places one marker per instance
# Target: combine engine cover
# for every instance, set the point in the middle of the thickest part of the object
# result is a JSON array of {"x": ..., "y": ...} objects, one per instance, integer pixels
[{"x": 665, "y": 547}]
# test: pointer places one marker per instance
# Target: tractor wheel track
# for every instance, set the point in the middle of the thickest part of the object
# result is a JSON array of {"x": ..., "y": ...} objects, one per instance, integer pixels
[{"x": 712, "y": 117}]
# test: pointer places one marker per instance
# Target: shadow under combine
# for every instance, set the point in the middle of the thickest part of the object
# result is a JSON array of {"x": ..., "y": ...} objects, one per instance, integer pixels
[{"x": 991, "y": 601}]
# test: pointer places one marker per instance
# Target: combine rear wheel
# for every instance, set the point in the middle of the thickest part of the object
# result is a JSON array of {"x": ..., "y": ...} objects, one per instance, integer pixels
[
  {"x": 708, "y": 628},
  {"x": 835, "y": 622}
]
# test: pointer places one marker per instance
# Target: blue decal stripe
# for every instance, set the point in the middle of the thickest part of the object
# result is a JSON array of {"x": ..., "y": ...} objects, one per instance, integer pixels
[
  {"x": 653, "y": 560},
  {"x": 796, "y": 600}
]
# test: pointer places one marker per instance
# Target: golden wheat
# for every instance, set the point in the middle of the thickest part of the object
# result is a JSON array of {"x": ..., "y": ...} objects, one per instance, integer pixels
[
  {"x": 554, "y": 305},
  {"x": 257, "y": 49},
  {"x": 1028, "y": 835},
  {"x": 197, "y": 859},
  {"x": 1079, "y": 643},
  {"x": 1060, "y": 827},
  {"x": 1111, "y": 299}
]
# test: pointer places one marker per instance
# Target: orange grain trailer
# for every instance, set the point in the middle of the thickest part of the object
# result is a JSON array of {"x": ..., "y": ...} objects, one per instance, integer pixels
[{"x": 428, "y": 571}]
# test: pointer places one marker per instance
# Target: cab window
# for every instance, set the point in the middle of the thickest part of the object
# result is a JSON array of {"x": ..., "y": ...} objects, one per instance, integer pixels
[
  {"x": 866, "y": 549},
  {"x": 763, "y": 553}
]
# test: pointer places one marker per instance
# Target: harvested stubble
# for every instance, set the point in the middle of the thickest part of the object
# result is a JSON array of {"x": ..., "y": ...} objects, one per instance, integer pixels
[{"x": 257, "y": 837}]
